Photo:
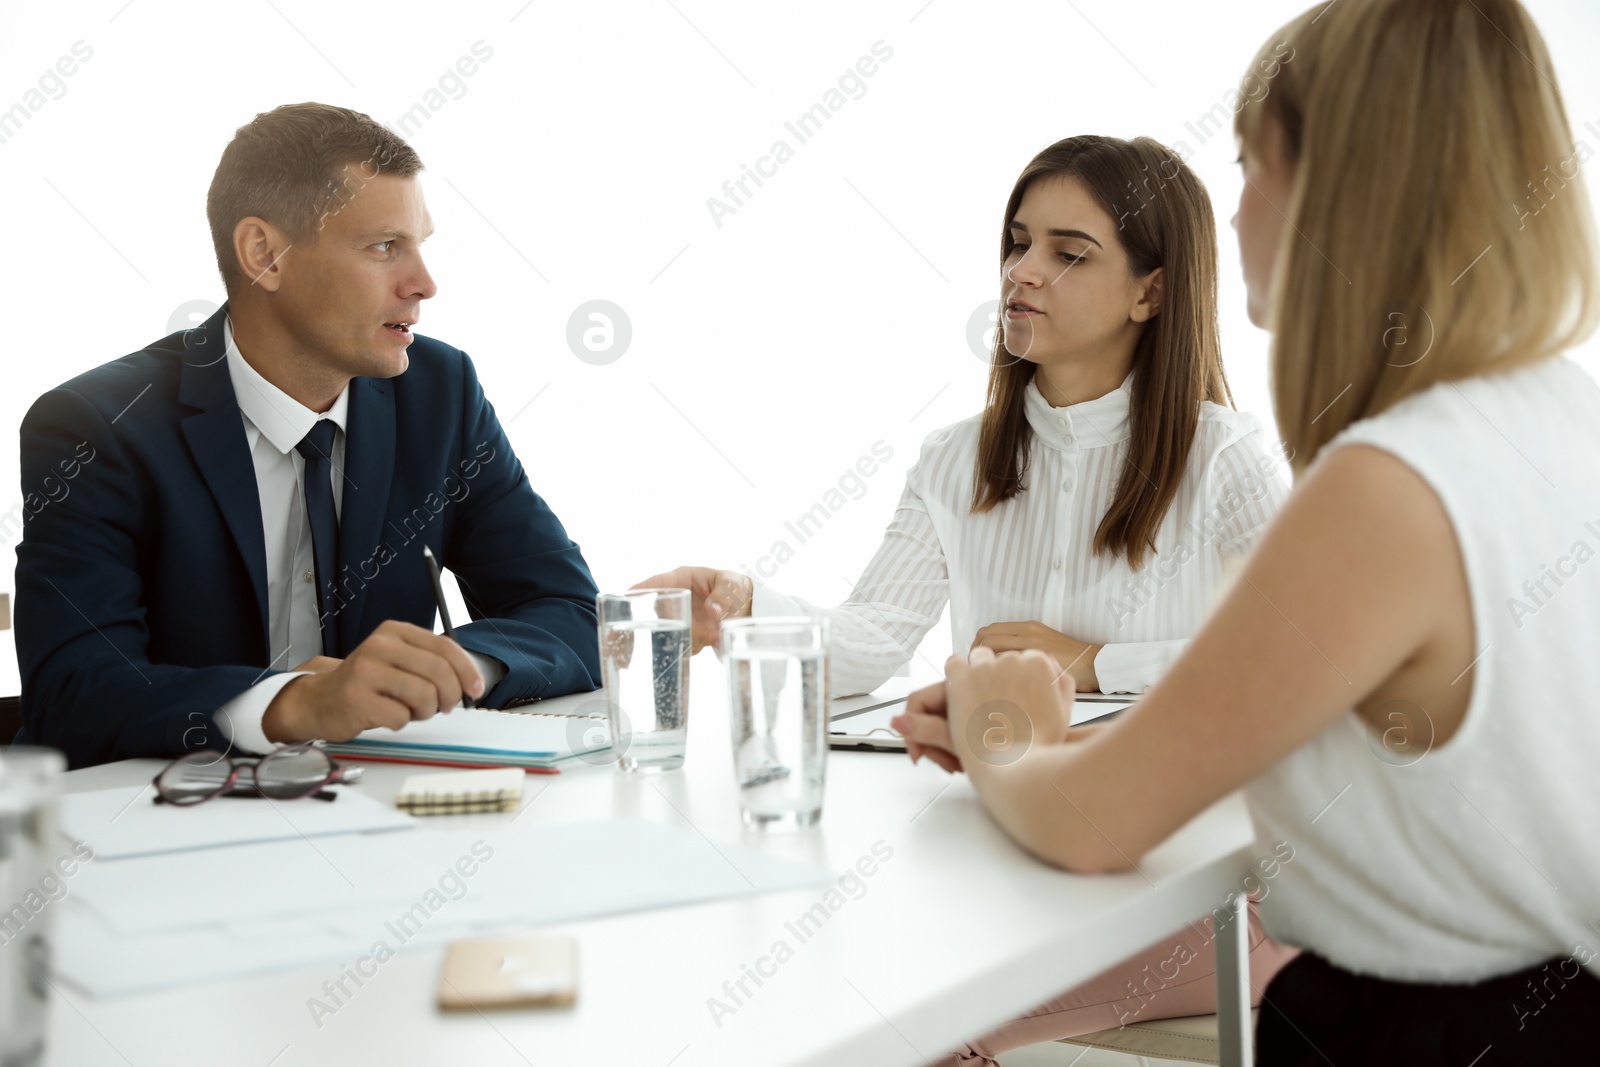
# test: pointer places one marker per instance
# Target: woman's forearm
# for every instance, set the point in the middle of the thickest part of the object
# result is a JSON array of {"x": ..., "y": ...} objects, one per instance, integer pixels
[{"x": 1029, "y": 802}]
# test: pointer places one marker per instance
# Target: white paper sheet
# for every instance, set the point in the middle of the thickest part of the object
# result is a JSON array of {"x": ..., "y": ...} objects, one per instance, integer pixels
[
  {"x": 126, "y": 821},
  {"x": 265, "y": 907},
  {"x": 1088, "y": 710}
]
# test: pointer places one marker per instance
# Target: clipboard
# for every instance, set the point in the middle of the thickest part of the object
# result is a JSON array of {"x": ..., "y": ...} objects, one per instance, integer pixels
[{"x": 867, "y": 729}]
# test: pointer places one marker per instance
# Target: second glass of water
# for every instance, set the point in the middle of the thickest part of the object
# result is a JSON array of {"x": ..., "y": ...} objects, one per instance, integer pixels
[
  {"x": 644, "y": 659},
  {"x": 778, "y": 709}
]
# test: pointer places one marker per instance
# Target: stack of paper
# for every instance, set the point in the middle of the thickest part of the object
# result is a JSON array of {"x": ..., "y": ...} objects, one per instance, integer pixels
[
  {"x": 178, "y": 918},
  {"x": 127, "y": 821}
]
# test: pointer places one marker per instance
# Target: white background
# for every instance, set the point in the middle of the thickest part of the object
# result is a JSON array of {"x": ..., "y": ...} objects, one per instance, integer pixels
[{"x": 768, "y": 354}]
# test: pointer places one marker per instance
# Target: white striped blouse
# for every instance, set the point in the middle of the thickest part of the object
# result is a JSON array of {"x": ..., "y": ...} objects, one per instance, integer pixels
[{"x": 1031, "y": 558}]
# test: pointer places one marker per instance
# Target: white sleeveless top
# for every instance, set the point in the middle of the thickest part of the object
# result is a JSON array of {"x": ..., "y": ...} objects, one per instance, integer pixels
[{"x": 1479, "y": 857}]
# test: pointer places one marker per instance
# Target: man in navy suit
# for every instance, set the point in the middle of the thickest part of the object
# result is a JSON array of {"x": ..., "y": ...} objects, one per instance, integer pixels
[{"x": 223, "y": 546}]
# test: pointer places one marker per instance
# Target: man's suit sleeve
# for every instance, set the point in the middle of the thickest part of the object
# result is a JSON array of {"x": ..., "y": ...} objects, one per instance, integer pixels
[
  {"x": 88, "y": 686},
  {"x": 526, "y": 584}
]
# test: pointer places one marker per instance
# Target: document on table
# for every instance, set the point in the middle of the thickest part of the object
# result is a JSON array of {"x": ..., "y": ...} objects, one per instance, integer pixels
[
  {"x": 163, "y": 920},
  {"x": 126, "y": 821}
]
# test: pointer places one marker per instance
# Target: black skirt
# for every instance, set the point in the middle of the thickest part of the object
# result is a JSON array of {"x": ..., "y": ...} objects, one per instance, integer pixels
[{"x": 1314, "y": 1014}]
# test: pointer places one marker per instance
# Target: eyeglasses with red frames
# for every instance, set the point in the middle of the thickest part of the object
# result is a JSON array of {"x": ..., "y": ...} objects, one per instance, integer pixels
[{"x": 288, "y": 774}]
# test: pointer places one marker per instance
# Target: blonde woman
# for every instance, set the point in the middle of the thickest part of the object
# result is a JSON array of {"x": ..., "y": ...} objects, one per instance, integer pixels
[
  {"x": 1092, "y": 507},
  {"x": 1403, "y": 680}
]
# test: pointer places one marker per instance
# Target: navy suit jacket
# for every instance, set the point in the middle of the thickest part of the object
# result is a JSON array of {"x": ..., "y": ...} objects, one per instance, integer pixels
[{"x": 141, "y": 576}]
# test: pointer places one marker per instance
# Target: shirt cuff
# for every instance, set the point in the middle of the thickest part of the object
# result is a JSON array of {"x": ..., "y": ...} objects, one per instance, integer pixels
[
  {"x": 491, "y": 669},
  {"x": 769, "y": 601},
  {"x": 239, "y": 720},
  {"x": 1133, "y": 666}
]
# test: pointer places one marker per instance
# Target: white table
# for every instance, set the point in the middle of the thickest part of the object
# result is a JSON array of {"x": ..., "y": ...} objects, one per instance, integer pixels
[{"x": 957, "y": 932}]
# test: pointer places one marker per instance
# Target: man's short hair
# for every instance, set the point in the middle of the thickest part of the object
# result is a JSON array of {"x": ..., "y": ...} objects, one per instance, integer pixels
[{"x": 295, "y": 166}]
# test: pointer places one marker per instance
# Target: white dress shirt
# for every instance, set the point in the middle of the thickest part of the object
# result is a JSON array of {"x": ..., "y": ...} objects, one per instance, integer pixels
[
  {"x": 1032, "y": 558},
  {"x": 274, "y": 423}
]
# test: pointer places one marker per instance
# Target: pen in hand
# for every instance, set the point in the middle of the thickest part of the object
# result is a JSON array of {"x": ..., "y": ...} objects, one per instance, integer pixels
[{"x": 444, "y": 612}]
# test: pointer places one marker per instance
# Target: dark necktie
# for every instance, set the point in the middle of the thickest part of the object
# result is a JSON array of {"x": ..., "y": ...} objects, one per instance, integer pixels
[{"x": 317, "y": 448}]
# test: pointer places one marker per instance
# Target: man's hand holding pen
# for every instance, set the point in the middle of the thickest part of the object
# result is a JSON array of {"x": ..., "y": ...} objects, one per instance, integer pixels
[{"x": 399, "y": 673}]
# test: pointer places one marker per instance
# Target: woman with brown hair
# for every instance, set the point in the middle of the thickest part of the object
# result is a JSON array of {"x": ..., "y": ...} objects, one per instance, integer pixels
[
  {"x": 1403, "y": 680},
  {"x": 1093, "y": 508}
]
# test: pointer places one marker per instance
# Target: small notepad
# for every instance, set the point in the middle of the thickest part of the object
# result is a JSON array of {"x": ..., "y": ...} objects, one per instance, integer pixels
[{"x": 459, "y": 792}]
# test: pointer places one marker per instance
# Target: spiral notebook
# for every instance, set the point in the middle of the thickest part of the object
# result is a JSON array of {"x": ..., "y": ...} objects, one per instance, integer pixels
[
  {"x": 460, "y": 792},
  {"x": 486, "y": 738}
]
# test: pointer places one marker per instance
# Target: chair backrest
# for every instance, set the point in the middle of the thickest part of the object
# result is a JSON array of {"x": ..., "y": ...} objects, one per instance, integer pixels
[
  {"x": 10, "y": 707},
  {"x": 10, "y": 719}
]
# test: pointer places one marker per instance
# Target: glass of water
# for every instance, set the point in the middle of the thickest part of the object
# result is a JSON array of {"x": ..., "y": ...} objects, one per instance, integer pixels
[
  {"x": 644, "y": 660},
  {"x": 778, "y": 710},
  {"x": 30, "y": 862}
]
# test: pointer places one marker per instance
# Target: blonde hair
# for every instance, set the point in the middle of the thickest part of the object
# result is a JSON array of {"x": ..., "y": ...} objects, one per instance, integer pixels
[{"x": 1439, "y": 228}]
